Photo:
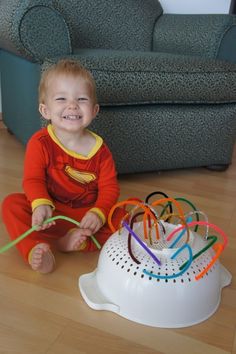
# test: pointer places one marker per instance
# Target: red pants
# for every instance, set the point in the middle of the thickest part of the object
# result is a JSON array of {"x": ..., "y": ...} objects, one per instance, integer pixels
[{"x": 17, "y": 214}]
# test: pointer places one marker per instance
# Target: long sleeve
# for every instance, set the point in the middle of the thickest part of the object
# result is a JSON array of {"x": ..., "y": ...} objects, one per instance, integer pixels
[{"x": 34, "y": 179}]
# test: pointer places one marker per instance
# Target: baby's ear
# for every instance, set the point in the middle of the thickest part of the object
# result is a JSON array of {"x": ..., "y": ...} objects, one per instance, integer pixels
[
  {"x": 44, "y": 111},
  {"x": 96, "y": 109}
]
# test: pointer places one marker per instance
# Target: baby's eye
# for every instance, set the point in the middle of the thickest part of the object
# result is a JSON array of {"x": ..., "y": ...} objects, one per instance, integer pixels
[
  {"x": 82, "y": 99},
  {"x": 60, "y": 99}
]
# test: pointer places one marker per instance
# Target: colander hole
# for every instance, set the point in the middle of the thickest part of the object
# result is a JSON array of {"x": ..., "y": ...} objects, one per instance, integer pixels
[
  {"x": 113, "y": 259},
  {"x": 166, "y": 280},
  {"x": 117, "y": 263},
  {"x": 150, "y": 278},
  {"x": 142, "y": 275},
  {"x": 122, "y": 267},
  {"x": 135, "y": 273},
  {"x": 128, "y": 270}
]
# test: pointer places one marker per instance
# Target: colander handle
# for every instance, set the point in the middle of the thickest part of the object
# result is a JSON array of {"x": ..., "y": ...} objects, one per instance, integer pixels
[{"x": 92, "y": 294}]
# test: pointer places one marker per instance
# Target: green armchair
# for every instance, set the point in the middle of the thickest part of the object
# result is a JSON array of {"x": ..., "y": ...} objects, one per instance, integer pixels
[{"x": 166, "y": 83}]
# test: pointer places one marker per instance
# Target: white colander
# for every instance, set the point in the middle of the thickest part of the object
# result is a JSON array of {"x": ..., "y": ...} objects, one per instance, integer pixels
[{"x": 170, "y": 298}]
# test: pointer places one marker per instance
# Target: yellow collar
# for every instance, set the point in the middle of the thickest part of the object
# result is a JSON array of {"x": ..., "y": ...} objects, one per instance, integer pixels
[{"x": 98, "y": 144}]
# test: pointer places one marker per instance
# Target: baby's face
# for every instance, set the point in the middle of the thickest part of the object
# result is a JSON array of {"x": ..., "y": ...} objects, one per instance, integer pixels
[{"x": 69, "y": 103}]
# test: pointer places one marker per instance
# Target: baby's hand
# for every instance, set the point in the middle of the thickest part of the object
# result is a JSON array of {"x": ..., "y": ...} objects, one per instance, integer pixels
[
  {"x": 40, "y": 214},
  {"x": 91, "y": 221}
]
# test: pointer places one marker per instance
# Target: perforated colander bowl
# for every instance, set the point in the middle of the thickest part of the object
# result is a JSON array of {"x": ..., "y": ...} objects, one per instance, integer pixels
[{"x": 170, "y": 298}]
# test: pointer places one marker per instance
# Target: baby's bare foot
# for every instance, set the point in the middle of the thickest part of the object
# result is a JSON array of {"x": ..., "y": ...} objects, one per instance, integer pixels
[
  {"x": 73, "y": 240},
  {"x": 41, "y": 258}
]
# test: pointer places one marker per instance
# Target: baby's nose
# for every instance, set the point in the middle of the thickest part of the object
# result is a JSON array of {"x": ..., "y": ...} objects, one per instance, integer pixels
[{"x": 73, "y": 104}]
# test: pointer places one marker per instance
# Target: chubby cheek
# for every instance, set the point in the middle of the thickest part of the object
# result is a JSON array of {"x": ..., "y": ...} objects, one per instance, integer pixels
[{"x": 58, "y": 112}]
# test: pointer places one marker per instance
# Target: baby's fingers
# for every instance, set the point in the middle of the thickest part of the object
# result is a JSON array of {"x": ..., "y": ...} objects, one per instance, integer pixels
[
  {"x": 47, "y": 225},
  {"x": 44, "y": 226}
]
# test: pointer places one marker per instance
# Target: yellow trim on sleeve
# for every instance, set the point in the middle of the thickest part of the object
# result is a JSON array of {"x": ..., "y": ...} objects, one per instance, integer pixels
[
  {"x": 41, "y": 201},
  {"x": 99, "y": 213}
]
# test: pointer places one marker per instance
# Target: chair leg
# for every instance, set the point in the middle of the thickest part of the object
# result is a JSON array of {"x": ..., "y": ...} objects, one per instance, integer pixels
[
  {"x": 218, "y": 168},
  {"x": 9, "y": 131}
]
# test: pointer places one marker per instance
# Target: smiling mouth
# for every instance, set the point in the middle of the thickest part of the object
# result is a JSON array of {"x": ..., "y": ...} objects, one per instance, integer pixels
[{"x": 72, "y": 117}]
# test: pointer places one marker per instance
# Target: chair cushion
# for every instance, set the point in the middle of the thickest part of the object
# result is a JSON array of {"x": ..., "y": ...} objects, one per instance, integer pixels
[
  {"x": 113, "y": 24},
  {"x": 129, "y": 77}
]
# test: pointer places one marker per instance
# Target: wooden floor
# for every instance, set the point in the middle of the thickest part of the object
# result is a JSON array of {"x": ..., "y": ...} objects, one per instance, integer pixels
[{"x": 46, "y": 313}]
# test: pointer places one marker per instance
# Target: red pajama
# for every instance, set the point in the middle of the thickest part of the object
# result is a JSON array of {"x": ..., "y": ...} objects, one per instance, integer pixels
[{"x": 70, "y": 183}]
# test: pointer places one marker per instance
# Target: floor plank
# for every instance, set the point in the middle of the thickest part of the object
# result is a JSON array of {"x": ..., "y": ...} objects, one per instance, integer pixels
[{"x": 46, "y": 314}]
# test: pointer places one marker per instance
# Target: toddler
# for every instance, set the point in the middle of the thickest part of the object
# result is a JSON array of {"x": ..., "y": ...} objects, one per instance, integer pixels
[{"x": 68, "y": 170}]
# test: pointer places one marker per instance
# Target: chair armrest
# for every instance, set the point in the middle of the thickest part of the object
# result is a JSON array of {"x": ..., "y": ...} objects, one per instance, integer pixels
[
  {"x": 227, "y": 49},
  {"x": 33, "y": 30},
  {"x": 207, "y": 36}
]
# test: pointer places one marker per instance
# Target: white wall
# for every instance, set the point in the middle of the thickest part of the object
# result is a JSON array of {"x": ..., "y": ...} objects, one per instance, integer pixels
[{"x": 195, "y": 6}]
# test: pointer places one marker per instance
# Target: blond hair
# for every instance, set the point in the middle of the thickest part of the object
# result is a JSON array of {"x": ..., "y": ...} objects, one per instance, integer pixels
[{"x": 66, "y": 67}]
